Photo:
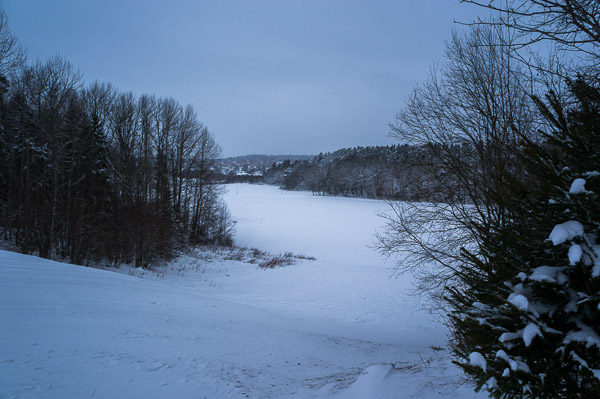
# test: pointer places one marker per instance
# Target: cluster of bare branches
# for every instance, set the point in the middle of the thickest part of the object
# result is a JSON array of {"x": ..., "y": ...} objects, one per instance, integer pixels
[
  {"x": 466, "y": 112},
  {"x": 571, "y": 25}
]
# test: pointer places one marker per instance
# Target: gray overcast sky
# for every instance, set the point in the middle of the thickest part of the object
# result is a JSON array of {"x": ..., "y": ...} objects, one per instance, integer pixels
[{"x": 265, "y": 76}]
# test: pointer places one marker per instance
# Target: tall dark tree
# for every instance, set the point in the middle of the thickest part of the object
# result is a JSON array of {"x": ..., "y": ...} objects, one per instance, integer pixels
[{"x": 525, "y": 315}]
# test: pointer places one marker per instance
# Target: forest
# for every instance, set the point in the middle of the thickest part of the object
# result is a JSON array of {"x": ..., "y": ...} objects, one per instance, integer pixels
[
  {"x": 88, "y": 172},
  {"x": 396, "y": 172}
]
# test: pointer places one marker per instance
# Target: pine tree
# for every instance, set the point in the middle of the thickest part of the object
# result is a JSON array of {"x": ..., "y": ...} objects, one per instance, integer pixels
[{"x": 526, "y": 319}]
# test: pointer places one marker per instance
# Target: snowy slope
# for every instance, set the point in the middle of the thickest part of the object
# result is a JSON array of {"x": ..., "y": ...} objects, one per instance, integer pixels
[{"x": 330, "y": 328}]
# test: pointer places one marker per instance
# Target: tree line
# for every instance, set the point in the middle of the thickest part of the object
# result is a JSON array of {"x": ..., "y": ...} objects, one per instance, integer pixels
[
  {"x": 395, "y": 172},
  {"x": 88, "y": 172}
]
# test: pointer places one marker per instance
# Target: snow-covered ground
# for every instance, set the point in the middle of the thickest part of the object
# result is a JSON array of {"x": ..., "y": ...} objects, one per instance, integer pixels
[{"x": 210, "y": 326}]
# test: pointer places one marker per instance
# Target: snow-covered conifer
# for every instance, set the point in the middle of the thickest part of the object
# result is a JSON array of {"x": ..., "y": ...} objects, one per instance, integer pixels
[{"x": 529, "y": 306}]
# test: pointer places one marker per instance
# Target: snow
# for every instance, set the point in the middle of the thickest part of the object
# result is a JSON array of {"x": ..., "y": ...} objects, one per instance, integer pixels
[
  {"x": 502, "y": 355},
  {"x": 578, "y": 359},
  {"x": 547, "y": 273},
  {"x": 596, "y": 259},
  {"x": 337, "y": 327},
  {"x": 476, "y": 359},
  {"x": 509, "y": 336},
  {"x": 514, "y": 365},
  {"x": 577, "y": 187},
  {"x": 492, "y": 382},
  {"x": 378, "y": 381},
  {"x": 575, "y": 253},
  {"x": 566, "y": 231},
  {"x": 519, "y": 301},
  {"x": 585, "y": 334},
  {"x": 530, "y": 332}
]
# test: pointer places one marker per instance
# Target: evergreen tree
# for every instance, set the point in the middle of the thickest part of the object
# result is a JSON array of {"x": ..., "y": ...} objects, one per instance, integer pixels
[{"x": 525, "y": 318}]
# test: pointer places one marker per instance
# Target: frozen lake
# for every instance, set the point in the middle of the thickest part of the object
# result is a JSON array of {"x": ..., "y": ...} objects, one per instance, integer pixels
[
  {"x": 350, "y": 281},
  {"x": 329, "y": 228}
]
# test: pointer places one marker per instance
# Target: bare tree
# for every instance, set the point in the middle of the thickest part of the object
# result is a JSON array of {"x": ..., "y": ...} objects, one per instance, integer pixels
[
  {"x": 465, "y": 113},
  {"x": 48, "y": 87},
  {"x": 185, "y": 142},
  {"x": 12, "y": 58},
  {"x": 206, "y": 194},
  {"x": 98, "y": 99},
  {"x": 572, "y": 25},
  {"x": 12, "y": 55},
  {"x": 147, "y": 108}
]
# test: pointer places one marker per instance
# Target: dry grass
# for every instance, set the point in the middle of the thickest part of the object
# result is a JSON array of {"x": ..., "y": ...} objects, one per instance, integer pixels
[{"x": 253, "y": 256}]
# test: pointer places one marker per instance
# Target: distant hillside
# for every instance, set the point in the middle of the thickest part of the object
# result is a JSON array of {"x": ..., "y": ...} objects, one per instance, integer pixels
[
  {"x": 252, "y": 167},
  {"x": 266, "y": 158},
  {"x": 400, "y": 172},
  {"x": 397, "y": 172}
]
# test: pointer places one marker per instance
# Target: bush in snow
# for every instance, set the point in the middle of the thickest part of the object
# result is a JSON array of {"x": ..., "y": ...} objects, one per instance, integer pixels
[{"x": 526, "y": 318}]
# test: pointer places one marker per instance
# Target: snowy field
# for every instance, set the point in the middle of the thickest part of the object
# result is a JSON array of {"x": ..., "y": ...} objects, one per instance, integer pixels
[{"x": 216, "y": 326}]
